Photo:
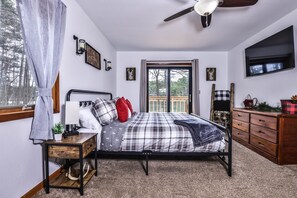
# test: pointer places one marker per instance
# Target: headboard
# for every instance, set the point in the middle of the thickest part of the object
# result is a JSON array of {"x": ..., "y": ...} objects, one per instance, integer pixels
[{"x": 87, "y": 92}]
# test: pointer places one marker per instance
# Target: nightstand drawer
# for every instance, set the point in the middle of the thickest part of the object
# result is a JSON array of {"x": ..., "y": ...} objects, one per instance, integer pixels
[
  {"x": 72, "y": 152},
  {"x": 242, "y": 116},
  {"x": 240, "y": 134},
  {"x": 241, "y": 125},
  {"x": 263, "y": 145},
  {"x": 89, "y": 146},
  {"x": 265, "y": 121},
  {"x": 265, "y": 133}
]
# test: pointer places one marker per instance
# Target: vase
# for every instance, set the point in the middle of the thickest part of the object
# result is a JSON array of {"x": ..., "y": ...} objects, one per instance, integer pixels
[{"x": 58, "y": 137}]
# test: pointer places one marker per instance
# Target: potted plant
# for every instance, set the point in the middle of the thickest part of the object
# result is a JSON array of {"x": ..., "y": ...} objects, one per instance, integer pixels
[{"x": 58, "y": 130}]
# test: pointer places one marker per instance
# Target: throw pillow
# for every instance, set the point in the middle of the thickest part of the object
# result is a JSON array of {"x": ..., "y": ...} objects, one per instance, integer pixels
[
  {"x": 129, "y": 105},
  {"x": 104, "y": 111},
  {"x": 87, "y": 119},
  {"x": 122, "y": 109}
]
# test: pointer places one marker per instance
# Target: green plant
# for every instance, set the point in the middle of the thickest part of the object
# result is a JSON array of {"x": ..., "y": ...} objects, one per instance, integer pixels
[
  {"x": 264, "y": 106},
  {"x": 58, "y": 128}
]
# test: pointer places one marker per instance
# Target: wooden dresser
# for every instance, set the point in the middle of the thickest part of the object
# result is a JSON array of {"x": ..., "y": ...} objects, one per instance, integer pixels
[{"x": 272, "y": 135}]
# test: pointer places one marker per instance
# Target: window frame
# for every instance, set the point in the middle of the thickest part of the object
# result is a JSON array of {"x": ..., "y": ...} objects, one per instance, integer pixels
[{"x": 16, "y": 113}]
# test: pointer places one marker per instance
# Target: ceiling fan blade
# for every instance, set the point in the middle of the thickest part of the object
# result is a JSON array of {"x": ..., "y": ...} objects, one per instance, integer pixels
[
  {"x": 237, "y": 3},
  {"x": 181, "y": 13},
  {"x": 205, "y": 20}
]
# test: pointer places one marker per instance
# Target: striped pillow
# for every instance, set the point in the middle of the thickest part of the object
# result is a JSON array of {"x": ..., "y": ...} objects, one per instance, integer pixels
[{"x": 104, "y": 111}]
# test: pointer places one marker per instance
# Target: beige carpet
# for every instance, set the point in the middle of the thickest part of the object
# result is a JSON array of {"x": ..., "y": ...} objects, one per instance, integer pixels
[{"x": 253, "y": 176}]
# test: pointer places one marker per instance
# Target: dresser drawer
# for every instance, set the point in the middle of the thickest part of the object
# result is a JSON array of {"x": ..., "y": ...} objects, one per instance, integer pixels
[
  {"x": 263, "y": 132},
  {"x": 264, "y": 145},
  {"x": 242, "y": 116},
  {"x": 240, "y": 134},
  {"x": 265, "y": 121},
  {"x": 241, "y": 125}
]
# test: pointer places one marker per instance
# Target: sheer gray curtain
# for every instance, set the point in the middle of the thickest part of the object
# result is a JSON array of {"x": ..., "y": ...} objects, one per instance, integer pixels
[
  {"x": 43, "y": 26},
  {"x": 195, "y": 87},
  {"x": 143, "y": 86}
]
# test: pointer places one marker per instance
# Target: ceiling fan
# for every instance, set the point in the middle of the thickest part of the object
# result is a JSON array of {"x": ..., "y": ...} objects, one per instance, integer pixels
[{"x": 205, "y": 8}]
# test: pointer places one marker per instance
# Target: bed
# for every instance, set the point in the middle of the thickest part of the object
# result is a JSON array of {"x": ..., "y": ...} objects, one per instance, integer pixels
[{"x": 155, "y": 134}]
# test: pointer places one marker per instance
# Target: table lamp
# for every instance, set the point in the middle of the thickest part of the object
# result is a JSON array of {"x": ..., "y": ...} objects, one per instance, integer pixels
[{"x": 71, "y": 117}]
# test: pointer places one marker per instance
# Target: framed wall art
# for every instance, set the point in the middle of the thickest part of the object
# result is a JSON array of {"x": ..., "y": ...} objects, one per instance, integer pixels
[
  {"x": 211, "y": 74},
  {"x": 130, "y": 73},
  {"x": 93, "y": 57}
]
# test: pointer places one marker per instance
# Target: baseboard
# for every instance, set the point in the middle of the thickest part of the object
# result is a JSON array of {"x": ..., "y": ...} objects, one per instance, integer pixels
[{"x": 40, "y": 186}]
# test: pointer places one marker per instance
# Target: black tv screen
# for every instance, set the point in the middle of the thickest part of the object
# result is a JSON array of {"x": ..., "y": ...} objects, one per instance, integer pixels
[{"x": 273, "y": 54}]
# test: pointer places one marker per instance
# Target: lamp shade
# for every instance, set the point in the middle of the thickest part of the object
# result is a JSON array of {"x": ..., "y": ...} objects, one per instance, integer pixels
[
  {"x": 71, "y": 112},
  {"x": 206, "y": 7}
]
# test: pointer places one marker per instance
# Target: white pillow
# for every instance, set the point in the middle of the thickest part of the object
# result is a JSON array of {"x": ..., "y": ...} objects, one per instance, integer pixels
[{"x": 87, "y": 119}]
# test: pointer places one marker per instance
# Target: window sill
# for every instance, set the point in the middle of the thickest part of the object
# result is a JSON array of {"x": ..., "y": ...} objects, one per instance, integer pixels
[{"x": 9, "y": 116}]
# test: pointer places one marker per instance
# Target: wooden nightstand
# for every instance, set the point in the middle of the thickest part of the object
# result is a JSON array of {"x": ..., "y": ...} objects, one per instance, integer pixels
[{"x": 72, "y": 147}]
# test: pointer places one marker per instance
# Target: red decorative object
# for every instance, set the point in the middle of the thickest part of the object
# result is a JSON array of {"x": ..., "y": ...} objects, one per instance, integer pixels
[
  {"x": 129, "y": 105},
  {"x": 122, "y": 109},
  {"x": 289, "y": 106}
]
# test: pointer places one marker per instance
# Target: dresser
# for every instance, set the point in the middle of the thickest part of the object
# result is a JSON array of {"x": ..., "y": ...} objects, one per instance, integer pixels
[{"x": 272, "y": 135}]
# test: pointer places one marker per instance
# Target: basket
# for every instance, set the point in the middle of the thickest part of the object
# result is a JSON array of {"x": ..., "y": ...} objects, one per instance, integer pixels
[{"x": 289, "y": 107}]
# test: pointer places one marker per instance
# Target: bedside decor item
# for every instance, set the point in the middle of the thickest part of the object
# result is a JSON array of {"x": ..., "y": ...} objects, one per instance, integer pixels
[
  {"x": 93, "y": 57},
  {"x": 74, "y": 172},
  {"x": 289, "y": 107},
  {"x": 130, "y": 73},
  {"x": 211, "y": 74},
  {"x": 58, "y": 130},
  {"x": 71, "y": 117},
  {"x": 80, "y": 45},
  {"x": 250, "y": 102},
  {"x": 107, "y": 65}
]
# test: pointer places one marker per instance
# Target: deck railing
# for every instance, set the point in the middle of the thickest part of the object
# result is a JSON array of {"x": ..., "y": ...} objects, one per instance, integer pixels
[{"x": 177, "y": 104}]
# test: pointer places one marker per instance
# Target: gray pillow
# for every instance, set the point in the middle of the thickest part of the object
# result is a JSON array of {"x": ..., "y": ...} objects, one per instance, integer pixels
[{"x": 104, "y": 111}]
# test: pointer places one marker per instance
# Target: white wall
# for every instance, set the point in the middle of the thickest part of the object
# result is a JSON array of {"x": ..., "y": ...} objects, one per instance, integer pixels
[
  {"x": 21, "y": 161},
  {"x": 270, "y": 87},
  {"x": 130, "y": 89}
]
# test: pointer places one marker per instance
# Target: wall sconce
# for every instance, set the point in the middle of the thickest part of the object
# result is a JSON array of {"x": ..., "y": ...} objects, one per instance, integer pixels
[
  {"x": 107, "y": 65},
  {"x": 80, "y": 45}
]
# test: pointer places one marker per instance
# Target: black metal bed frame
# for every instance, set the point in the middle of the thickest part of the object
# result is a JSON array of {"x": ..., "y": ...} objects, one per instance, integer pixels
[{"x": 227, "y": 163}]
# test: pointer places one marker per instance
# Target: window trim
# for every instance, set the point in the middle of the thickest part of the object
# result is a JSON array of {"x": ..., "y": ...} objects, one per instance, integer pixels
[{"x": 16, "y": 113}]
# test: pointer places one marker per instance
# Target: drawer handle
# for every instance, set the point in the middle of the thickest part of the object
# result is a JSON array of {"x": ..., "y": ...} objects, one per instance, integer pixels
[
  {"x": 238, "y": 115},
  {"x": 239, "y": 124},
  {"x": 260, "y": 131},
  {"x": 260, "y": 143},
  {"x": 261, "y": 120},
  {"x": 238, "y": 133}
]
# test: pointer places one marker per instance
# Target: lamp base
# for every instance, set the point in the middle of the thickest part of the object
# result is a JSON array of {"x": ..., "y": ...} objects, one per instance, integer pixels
[{"x": 70, "y": 133}]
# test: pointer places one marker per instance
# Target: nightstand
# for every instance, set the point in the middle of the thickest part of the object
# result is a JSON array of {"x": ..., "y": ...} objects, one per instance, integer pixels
[{"x": 72, "y": 147}]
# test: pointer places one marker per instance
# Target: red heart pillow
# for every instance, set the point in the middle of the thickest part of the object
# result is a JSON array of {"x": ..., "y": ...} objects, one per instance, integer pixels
[{"x": 122, "y": 109}]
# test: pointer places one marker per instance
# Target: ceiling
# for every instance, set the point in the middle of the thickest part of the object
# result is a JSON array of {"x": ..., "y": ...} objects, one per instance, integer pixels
[{"x": 137, "y": 25}]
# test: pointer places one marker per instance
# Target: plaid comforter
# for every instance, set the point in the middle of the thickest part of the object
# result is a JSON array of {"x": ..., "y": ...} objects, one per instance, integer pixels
[{"x": 157, "y": 132}]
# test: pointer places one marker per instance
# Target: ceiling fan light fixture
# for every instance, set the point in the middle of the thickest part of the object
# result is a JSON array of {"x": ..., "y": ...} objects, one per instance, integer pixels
[{"x": 206, "y": 7}]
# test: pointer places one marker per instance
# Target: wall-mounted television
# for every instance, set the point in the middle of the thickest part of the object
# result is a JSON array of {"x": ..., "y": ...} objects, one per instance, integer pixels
[{"x": 273, "y": 54}]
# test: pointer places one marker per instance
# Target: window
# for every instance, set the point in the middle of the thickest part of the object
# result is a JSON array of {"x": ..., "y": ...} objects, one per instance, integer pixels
[
  {"x": 169, "y": 89},
  {"x": 17, "y": 88}
]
